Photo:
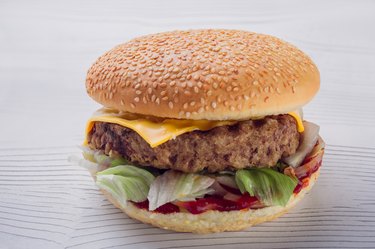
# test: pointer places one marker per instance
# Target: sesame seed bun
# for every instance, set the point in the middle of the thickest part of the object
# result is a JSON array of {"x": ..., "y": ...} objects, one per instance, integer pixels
[
  {"x": 204, "y": 74},
  {"x": 212, "y": 221}
]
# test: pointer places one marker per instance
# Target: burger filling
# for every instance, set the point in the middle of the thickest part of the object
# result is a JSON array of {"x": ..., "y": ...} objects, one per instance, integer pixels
[
  {"x": 244, "y": 165},
  {"x": 251, "y": 143}
]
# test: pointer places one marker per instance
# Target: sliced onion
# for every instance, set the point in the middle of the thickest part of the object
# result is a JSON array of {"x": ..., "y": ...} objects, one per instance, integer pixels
[
  {"x": 309, "y": 138},
  {"x": 232, "y": 197},
  {"x": 318, "y": 147},
  {"x": 227, "y": 181},
  {"x": 257, "y": 204},
  {"x": 218, "y": 189},
  {"x": 308, "y": 168}
]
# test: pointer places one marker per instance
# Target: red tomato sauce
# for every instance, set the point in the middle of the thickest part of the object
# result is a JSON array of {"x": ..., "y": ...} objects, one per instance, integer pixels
[{"x": 167, "y": 208}]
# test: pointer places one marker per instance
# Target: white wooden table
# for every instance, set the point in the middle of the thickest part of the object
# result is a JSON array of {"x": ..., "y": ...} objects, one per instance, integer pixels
[{"x": 45, "y": 50}]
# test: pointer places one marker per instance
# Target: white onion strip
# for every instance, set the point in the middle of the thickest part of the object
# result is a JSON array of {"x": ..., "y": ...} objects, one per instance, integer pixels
[{"x": 309, "y": 138}]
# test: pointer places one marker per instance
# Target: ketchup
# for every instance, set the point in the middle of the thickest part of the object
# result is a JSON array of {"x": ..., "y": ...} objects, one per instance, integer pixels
[
  {"x": 303, "y": 181},
  {"x": 167, "y": 208},
  {"x": 218, "y": 203}
]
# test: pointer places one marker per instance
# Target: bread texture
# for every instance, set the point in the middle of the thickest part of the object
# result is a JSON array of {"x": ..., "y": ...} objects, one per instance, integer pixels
[
  {"x": 212, "y": 221},
  {"x": 211, "y": 74}
]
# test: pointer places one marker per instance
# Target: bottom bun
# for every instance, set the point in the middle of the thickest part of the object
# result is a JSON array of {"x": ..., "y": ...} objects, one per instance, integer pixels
[{"x": 212, "y": 221}]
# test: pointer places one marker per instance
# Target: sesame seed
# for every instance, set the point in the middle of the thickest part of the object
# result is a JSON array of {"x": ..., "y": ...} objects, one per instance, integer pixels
[
  {"x": 203, "y": 60},
  {"x": 170, "y": 104},
  {"x": 213, "y": 104}
]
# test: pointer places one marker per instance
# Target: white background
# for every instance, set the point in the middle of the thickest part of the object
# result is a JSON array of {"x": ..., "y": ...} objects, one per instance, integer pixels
[{"x": 45, "y": 50}]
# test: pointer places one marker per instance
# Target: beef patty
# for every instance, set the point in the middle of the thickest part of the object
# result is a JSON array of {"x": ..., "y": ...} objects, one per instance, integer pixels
[{"x": 251, "y": 143}]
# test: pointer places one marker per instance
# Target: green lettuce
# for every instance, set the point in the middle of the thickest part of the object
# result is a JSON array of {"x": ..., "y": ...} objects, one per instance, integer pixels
[
  {"x": 174, "y": 185},
  {"x": 125, "y": 182},
  {"x": 269, "y": 186},
  {"x": 101, "y": 159}
]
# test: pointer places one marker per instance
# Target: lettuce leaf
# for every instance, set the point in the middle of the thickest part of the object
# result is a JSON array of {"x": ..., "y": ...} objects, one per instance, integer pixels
[
  {"x": 102, "y": 159},
  {"x": 129, "y": 171},
  {"x": 174, "y": 185},
  {"x": 269, "y": 186},
  {"x": 125, "y": 182}
]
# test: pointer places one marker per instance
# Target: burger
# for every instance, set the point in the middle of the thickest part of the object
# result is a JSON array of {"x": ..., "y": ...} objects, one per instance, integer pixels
[{"x": 202, "y": 130}]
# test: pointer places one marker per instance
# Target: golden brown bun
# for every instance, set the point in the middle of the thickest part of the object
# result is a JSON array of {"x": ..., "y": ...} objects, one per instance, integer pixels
[
  {"x": 204, "y": 74},
  {"x": 211, "y": 221}
]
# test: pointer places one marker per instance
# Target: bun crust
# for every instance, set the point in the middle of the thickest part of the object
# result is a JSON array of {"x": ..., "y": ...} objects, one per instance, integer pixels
[
  {"x": 204, "y": 74},
  {"x": 212, "y": 221}
]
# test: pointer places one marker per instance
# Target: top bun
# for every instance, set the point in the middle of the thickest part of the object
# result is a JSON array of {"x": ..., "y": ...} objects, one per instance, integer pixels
[{"x": 204, "y": 74}]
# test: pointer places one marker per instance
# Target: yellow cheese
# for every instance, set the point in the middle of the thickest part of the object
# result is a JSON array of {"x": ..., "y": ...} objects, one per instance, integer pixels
[
  {"x": 298, "y": 119},
  {"x": 156, "y": 131}
]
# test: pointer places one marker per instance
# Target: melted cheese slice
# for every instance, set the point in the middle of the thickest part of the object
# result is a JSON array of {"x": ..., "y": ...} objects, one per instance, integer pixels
[
  {"x": 156, "y": 131},
  {"x": 297, "y": 116}
]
